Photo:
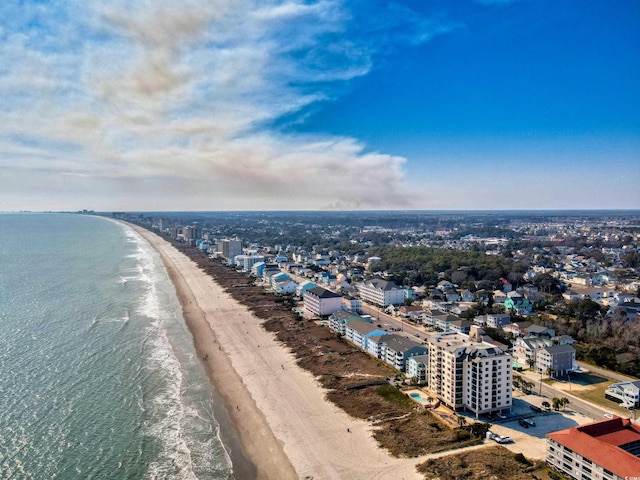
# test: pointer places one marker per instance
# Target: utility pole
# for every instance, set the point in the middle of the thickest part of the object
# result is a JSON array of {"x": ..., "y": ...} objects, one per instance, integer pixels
[{"x": 540, "y": 382}]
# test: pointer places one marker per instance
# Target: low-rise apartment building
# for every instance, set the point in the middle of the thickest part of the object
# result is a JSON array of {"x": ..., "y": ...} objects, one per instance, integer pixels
[
  {"x": 339, "y": 320},
  {"x": 381, "y": 292},
  {"x": 321, "y": 303},
  {"x": 557, "y": 359},
  {"x": 603, "y": 450},
  {"x": 359, "y": 331}
]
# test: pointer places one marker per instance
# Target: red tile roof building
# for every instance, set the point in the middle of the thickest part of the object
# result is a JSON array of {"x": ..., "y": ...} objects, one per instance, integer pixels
[{"x": 607, "y": 449}]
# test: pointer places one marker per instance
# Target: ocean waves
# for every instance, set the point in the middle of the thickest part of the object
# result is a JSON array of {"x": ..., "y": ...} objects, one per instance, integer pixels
[{"x": 98, "y": 374}]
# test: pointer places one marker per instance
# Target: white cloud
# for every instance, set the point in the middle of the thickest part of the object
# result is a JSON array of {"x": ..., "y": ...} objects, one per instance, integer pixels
[{"x": 106, "y": 97}]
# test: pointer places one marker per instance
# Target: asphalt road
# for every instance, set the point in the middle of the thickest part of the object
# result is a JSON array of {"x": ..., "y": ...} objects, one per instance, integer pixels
[
  {"x": 575, "y": 403},
  {"x": 618, "y": 377},
  {"x": 381, "y": 318}
]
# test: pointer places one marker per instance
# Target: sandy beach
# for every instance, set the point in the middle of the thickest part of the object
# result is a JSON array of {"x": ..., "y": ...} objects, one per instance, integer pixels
[{"x": 285, "y": 425}]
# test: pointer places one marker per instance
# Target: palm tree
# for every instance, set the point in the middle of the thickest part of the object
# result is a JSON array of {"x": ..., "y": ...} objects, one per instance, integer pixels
[
  {"x": 550, "y": 372},
  {"x": 556, "y": 402},
  {"x": 531, "y": 362},
  {"x": 517, "y": 381},
  {"x": 527, "y": 386},
  {"x": 564, "y": 401},
  {"x": 462, "y": 421}
]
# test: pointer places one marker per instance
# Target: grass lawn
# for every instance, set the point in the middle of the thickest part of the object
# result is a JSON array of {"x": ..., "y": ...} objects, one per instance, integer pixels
[{"x": 594, "y": 393}]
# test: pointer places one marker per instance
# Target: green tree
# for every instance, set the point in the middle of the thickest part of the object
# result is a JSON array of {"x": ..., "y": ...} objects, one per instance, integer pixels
[{"x": 479, "y": 429}]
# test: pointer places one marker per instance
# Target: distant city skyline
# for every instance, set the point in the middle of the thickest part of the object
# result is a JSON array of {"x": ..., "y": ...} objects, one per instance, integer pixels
[{"x": 329, "y": 104}]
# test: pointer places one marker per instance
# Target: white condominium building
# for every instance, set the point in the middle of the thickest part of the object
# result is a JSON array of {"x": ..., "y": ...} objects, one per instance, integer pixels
[
  {"x": 466, "y": 372},
  {"x": 230, "y": 248},
  {"x": 321, "y": 303},
  {"x": 381, "y": 292}
]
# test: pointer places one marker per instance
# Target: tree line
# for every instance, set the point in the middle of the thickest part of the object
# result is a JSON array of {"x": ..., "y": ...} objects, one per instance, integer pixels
[{"x": 427, "y": 266}]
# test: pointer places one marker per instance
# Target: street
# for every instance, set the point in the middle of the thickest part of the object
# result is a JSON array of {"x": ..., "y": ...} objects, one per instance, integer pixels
[{"x": 381, "y": 318}]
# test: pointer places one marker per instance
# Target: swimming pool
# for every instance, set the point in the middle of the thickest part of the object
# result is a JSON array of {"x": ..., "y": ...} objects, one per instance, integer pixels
[{"x": 418, "y": 398}]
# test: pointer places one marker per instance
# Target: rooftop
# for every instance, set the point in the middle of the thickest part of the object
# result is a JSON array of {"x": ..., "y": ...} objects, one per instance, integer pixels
[
  {"x": 604, "y": 442},
  {"x": 322, "y": 293}
]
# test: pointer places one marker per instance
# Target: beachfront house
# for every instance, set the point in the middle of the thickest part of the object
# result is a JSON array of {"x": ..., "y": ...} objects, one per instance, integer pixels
[
  {"x": 417, "y": 368},
  {"x": 339, "y": 320},
  {"x": 376, "y": 345},
  {"x": 304, "y": 286},
  {"x": 285, "y": 286},
  {"x": 359, "y": 331},
  {"x": 398, "y": 349}
]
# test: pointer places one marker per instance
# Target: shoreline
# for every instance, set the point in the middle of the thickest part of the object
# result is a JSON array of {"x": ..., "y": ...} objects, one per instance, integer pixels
[
  {"x": 286, "y": 426},
  {"x": 263, "y": 459}
]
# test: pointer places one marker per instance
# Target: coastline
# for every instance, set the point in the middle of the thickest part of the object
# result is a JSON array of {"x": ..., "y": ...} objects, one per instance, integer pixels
[{"x": 285, "y": 425}]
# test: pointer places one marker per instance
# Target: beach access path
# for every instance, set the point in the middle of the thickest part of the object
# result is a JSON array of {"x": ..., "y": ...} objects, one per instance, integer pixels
[{"x": 286, "y": 426}]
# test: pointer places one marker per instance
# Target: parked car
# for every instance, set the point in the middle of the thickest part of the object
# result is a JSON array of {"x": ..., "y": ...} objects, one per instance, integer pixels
[
  {"x": 530, "y": 422},
  {"x": 503, "y": 439},
  {"x": 535, "y": 408},
  {"x": 498, "y": 438},
  {"x": 501, "y": 416},
  {"x": 523, "y": 423}
]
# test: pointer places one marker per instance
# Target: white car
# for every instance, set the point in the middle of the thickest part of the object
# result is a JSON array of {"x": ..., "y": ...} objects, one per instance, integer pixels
[{"x": 503, "y": 439}]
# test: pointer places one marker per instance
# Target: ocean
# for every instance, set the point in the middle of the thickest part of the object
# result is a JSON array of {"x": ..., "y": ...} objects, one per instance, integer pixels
[{"x": 98, "y": 374}]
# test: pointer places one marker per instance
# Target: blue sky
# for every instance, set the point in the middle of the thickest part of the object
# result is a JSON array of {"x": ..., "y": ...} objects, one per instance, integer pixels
[{"x": 361, "y": 104}]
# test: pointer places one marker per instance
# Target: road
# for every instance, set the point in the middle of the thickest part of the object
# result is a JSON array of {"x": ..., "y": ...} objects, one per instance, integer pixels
[
  {"x": 547, "y": 393},
  {"x": 618, "y": 377},
  {"x": 381, "y": 318}
]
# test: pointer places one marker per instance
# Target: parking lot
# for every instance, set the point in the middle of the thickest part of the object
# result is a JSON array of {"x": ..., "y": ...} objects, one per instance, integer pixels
[{"x": 530, "y": 441}]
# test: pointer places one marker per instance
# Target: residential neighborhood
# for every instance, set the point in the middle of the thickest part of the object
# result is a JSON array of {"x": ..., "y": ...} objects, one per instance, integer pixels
[{"x": 498, "y": 315}]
